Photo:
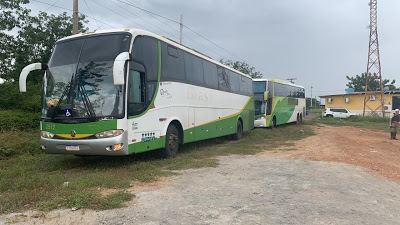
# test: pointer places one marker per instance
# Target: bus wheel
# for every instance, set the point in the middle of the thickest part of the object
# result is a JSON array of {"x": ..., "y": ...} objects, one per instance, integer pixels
[
  {"x": 239, "y": 131},
  {"x": 298, "y": 119},
  {"x": 301, "y": 118},
  {"x": 171, "y": 142},
  {"x": 273, "y": 122}
]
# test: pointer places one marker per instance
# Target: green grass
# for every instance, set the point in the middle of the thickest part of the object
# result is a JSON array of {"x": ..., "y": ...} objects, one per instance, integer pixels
[
  {"x": 32, "y": 180},
  {"x": 373, "y": 123}
]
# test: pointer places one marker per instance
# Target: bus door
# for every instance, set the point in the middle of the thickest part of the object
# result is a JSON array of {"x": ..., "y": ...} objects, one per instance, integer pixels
[{"x": 268, "y": 103}]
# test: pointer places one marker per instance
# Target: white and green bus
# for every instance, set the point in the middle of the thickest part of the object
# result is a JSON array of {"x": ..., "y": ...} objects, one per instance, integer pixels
[
  {"x": 277, "y": 102},
  {"x": 120, "y": 92}
]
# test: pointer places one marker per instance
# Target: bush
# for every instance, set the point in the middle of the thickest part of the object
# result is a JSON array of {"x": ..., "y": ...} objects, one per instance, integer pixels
[
  {"x": 11, "y": 98},
  {"x": 18, "y": 120}
]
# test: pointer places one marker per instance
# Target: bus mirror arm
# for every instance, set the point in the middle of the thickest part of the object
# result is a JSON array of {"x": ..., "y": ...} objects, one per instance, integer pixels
[
  {"x": 24, "y": 74},
  {"x": 266, "y": 95},
  {"x": 119, "y": 68}
]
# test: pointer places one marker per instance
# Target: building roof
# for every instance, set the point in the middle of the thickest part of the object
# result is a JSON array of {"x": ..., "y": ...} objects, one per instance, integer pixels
[{"x": 361, "y": 93}]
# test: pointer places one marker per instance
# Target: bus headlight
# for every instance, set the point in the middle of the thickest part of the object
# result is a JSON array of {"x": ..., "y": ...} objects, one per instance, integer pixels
[
  {"x": 46, "y": 134},
  {"x": 261, "y": 118},
  {"x": 109, "y": 133}
]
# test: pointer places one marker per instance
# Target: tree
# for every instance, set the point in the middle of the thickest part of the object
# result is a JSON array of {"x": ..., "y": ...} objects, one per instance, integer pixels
[
  {"x": 33, "y": 42},
  {"x": 242, "y": 67},
  {"x": 358, "y": 83}
]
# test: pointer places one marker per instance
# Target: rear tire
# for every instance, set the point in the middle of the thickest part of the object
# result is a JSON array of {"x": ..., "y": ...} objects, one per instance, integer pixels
[
  {"x": 298, "y": 119},
  {"x": 329, "y": 116},
  {"x": 239, "y": 131},
  {"x": 172, "y": 141}
]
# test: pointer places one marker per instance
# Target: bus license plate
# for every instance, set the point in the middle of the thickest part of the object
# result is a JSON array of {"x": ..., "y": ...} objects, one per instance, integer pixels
[{"x": 72, "y": 147}]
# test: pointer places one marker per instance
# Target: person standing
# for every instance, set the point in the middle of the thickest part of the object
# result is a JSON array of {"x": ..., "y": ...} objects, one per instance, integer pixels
[{"x": 394, "y": 124}]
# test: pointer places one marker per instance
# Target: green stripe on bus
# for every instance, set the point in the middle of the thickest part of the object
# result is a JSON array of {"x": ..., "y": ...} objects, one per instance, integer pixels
[
  {"x": 80, "y": 128},
  {"x": 223, "y": 127}
]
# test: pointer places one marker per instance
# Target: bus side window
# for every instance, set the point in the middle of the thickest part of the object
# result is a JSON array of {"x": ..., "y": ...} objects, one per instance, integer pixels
[{"x": 136, "y": 93}]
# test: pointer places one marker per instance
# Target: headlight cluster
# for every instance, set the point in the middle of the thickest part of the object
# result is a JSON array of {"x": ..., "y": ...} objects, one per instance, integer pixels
[
  {"x": 261, "y": 118},
  {"x": 46, "y": 134},
  {"x": 109, "y": 133}
]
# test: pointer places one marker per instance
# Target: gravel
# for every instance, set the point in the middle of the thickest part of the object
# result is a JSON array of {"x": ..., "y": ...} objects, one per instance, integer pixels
[{"x": 256, "y": 190}]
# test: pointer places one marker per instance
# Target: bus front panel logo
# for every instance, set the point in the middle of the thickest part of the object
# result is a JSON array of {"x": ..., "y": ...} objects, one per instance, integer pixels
[{"x": 73, "y": 133}]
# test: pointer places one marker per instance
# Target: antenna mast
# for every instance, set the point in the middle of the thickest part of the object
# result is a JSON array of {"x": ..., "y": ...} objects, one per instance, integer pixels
[{"x": 374, "y": 65}]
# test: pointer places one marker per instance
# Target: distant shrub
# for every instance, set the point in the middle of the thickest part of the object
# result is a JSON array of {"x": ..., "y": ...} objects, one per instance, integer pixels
[
  {"x": 11, "y": 98},
  {"x": 374, "y": 119},
  {"x": 18, "y": 120}
]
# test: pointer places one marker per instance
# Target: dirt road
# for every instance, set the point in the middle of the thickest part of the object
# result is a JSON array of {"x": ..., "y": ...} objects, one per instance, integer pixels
[
  {"x": 360, "y": 147},
  {"x": 291, "y": 185}
]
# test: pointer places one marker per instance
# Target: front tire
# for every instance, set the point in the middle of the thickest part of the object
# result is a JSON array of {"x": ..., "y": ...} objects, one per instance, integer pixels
[
  {"x": 273, "y": 125},
  {"x": 239, "y": 131},
  {"x": 172, "y": 141}
]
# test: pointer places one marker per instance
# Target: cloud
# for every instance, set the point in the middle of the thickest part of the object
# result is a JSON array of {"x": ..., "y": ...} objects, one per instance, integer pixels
[{"x": 318, "y": 42}]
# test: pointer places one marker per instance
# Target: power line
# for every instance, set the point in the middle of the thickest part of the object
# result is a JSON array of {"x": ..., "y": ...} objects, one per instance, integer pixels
[
  {"x": 52, "y": 5},
  {"x": 117, "y": 13},
  {"x": 45, "y": 3},
  {"x": 143, "y": 19},
  {"x": 154, "y": 15},
  {"x": 98, "y": 26}
]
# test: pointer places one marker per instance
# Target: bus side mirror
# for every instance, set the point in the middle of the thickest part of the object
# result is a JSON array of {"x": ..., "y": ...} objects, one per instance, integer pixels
[
  {"x": 266, "y": 95},
  {"x": 24, "y": 74},
  {"x": 119, "y": 68}
]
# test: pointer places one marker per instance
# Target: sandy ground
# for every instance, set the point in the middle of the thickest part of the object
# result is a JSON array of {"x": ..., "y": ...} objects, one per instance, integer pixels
[
  {"x": 360, "y": 147},
  {"x": 335, "y": 177}
]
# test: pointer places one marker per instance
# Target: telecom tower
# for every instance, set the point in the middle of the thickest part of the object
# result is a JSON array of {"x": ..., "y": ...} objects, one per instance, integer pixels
[{"x": 374, "y": 65}]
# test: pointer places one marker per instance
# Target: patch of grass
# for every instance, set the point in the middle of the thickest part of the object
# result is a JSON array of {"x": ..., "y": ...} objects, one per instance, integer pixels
[
  {"x": 373, "y": 122},
  {"x": 39, "y": 181}
]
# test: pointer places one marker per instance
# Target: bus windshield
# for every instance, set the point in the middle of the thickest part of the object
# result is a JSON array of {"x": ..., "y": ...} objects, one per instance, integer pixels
[{"x": 79, "y": 80}]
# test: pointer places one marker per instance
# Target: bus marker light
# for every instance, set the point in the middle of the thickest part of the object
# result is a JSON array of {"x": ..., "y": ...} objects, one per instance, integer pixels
[
  {"x": 133, "y": 140},
  {"x": 118, "y": 146},
  {"x": 153, "y": 106}
]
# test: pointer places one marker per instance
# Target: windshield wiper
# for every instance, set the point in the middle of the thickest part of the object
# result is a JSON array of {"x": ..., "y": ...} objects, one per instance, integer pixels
[
  {"x": 86, "y": 102},
  {"x": 57, "y": 107}
]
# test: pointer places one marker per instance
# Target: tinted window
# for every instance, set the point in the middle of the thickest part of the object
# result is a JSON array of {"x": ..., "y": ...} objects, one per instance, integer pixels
[
  {"x": 210, "y": 74},
  {"x": 94, "y": 49},
  {"x": 194, "y": 69},
  {"x": 145, "y": 50},
  {"x": 223, "y": 79},
  {"x": 66, "y": 53},
  {"x": 246, "y": 86},
  {"x": 172, "y": 65},
  {"x": 396, "y": 102},
  {"x": 259, "y": 86},
  {"x": 235, "y": 79},
  {"x": 270, "y": 86}
]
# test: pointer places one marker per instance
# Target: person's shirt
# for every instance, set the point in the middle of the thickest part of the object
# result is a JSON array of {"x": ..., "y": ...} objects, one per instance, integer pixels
[{"x": 396, "y": 118}]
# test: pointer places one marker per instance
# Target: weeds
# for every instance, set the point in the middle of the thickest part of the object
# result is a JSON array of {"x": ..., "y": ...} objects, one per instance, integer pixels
[{"x": 30, "y": 180}]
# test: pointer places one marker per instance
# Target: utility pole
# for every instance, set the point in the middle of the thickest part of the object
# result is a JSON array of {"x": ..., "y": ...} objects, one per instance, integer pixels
[
  {"x": 181, "y": 33},
  {"x": 311, "y": 97},
  {"x": 374, "y": 63},
  {"x": 75, "y": 18}
]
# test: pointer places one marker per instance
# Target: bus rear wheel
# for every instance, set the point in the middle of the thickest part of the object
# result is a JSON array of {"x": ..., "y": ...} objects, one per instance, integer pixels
[
  {"x": 239, "y": 131},
  {"x": 172, "y": 141}
]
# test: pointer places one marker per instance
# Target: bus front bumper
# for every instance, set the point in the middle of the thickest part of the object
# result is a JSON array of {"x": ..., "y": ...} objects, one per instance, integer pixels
[
  {"x": 101, "y": 146},
  {"x": 260, "y": 123}
]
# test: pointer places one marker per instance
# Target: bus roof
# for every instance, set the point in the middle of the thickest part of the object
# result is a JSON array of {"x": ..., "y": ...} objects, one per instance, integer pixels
[
  {"x": 136, "y": 32},
  {"x": 280, "y": 81}
]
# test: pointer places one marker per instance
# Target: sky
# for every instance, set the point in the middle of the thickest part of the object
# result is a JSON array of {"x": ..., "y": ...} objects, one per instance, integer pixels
[{"x": 317, "y": 42}]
